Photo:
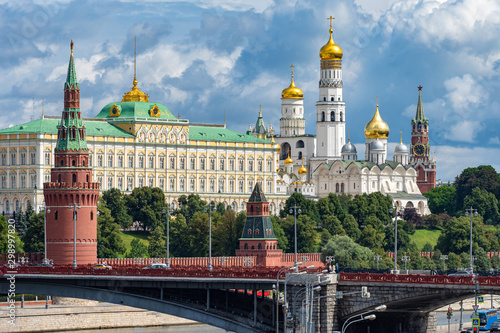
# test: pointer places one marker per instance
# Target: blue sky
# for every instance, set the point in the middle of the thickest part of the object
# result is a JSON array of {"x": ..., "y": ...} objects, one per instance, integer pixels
[{"x": 200, "y": 58}]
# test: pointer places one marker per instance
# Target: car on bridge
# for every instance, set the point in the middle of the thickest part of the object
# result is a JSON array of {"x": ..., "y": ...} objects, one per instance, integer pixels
[
  {"x": 495, "y": 327},
  {"x": 156, "y": 266},
  {"x": 102, "y": 266},
  {"x": 461, "y": 273},
  {"x": 43, "y": 264}
]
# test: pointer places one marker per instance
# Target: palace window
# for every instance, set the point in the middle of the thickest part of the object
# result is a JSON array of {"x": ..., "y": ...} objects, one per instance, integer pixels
[
  {"x": 212, "y": 185},
  {"x": 192, "y": 163},
  {"x": 151, "y": 182},
  {"x": 23, "y": 158},
  {"x": 269, "y": 186},
  {"x": 162, "y": 184},
  {"x": 183, "y": 163},
  {"x": 130, "y": 183},
  {"x": 202, "y": 163},
  {"x": 162, "y": 162},
  {"x": 269, "y": 165},
  {"x": 4, "y": 159},
  {"x": 23, "y": 181},
  {"x": 192, "y": 185},
  {"x": 4, "y": 181},
  {"x": 33, "y": 181},
  {"x": 110, "y": 161},
  {"x": 241, "y": 164},
  {"x": 182, "y": 184},
  {"x": 202, "y": 185},
  {"x": 250, "y": 165},
  {"x": 141, "y": 161},
  {"x": 47, "y": 159},
  {"x": 141, "y": 182},
  {"x": 222, "y": 184},
  {"x": 222, "y": 164},
  {"x": 231, "y": 165},
  {"x": 250, "y": 185},
  {"x": 13, "y": 159},
  {"x": 260, "y": 165},
  {"x": 99, "y": 160},
  {"x": 172, "y": 184},
  {"x": 231, "y": 186},
  {"x": 172, "y": 162},
  {"x": 99, "y": 180},
  {"x": 90, "y": 160},
  {"x": 120, "y": 183},
  {"x": 13, "y": 181},
  {"x": 151, "y": 162},
  {"x": 120, "y": 161},
  {"x": 212, "y": 163},
  {"x": 240, "y": 186},
  {"x": 110, "y": 182},
  {"x": 131, "y": 161},
  {"x": 33, "y": 158}
]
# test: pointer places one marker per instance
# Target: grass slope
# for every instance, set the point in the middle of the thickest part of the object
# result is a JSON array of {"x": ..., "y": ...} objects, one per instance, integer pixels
[
  {"x": 422, "y": 236},
  {"x": 129, "y": 236}
]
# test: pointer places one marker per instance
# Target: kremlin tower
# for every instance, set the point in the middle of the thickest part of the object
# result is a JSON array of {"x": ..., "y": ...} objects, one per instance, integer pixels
[
  {"x": 71, "y": 185},
  {"x": 420, "y": 157}
]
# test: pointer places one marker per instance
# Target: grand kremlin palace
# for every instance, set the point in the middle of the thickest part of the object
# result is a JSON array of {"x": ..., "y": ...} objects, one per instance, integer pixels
[{"x": 135, "y": 143}]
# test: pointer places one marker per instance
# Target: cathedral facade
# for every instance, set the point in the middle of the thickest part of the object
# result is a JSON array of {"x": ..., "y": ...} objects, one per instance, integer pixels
[{"x": 316, "y": 165}]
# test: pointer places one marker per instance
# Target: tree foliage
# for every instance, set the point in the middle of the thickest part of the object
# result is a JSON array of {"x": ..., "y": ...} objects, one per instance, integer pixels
[
  {"x": 157, "y": 246},
  {"x": 115, "y": 201},
  {"x": 347, "y": 253},
  {"x": 486, "y": 204},
  {"x": 484, "y": 176},
  {"x": 137, "y": 249},
  {"x": 455, "y": 235},
  {"x": 145, "y": 204},
  {"x": 441, "y": 199},
  {"x": 34, "y": 237},
  {"x": 109, "y": 242}
]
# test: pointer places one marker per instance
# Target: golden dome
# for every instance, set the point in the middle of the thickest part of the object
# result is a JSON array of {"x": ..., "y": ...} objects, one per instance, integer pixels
[
  {"x": 330, "y": 51},
  {"x": 135, "y": 95},
  {"x": 376, "y": 127},
  {"x": 292, "y": 91},
  {"x": 288, "y": 160},
  {"x": 302, "y": 169}
]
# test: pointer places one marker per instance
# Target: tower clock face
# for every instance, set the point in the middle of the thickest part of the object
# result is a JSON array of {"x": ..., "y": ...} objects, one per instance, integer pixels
[{"x": 419, "y": 149}]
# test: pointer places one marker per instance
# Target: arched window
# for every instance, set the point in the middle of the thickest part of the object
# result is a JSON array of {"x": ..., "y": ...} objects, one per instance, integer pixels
[
  {"x": 322, "y": 116},
  {"x": 332, "y": 99},
  {"x": 251, "y": 208},
  {"x": 337, "y": 187},
  {"x": 342, "y": 188},
  {"x": 245, "y": 246},
  {"x": 332, "y": 116},
  {"x": 299, "y": 144},
  {"x": 341, "y": 117},
  {"x": 91, "y": 215},
  {"x": 419, "y": 126},
  {"x": 59, "y": 178},
  {"x": 87, "y": 178},
  {"x": 74, "y": 178},
  {"x": 259, "y": 247},
  {"x": 73, "y": 163},
  {"x": 83, "y": 163},
  {"x": 300, "y": 155},
  {"x": 55, "y": 215},
  {"x": 62, "y": 163},
  {"x": 324, "y": 99}
]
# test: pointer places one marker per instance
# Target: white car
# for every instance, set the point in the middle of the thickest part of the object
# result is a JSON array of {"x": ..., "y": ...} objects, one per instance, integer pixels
[{"x": 156, "y": 266}]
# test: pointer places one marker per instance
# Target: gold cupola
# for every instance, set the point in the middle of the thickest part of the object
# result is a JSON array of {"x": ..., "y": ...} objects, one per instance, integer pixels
[
  {"x": 292, "y": 91},
  {"x": 135, "y": 95},
  {"x": 302, "y": 169},
  {"x": 376, "y": 127},
  {"x": 288, "y": 159},
  {"x": 330, "y": 51}
]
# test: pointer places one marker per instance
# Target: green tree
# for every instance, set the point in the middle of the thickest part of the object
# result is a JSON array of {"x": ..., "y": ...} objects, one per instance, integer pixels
[
  {"x": 137, "y": 249},
  {"x": 486, "y": 204},
  {"x": 34, "y": 237},
  {"x": 198, "y": 230},
  {"x": 115, "y": 202},
  {"x": 227, "y": 233},
  {"x": 484, "y": 176},
  {"x": 434, "y": 221},
  {"x": 157, "y": 246},
  {"x": 371, "y": 238},
  {"x": 333, "y": 225},
  {"x": 145, "y": 204},
  {"x": 307, "y": 207},
  {"x": 411, "y": 215},
  {"x": 179, "y": 237},
  {"x": 306, "y": 233},
  {"x": 358, "y": 207},
  {"x": 403, "y": 237},
  {"x": 482, "y": 261},
  {"x": 347, "y": 253},
  {"x": 279, "y": 233},
  {"x": 427, "y": 247},
  {"x": 351, "y": 227},
  {"x": 4, "y": 242},
  {"x": 495, "y": 262},
  {"x": 109, "y": 242},
  {"x": 456, "y": 233},
  {"x": 454, "y": 262},
  {"x": 189, "y": 205},
  {"x": 441, "y": 199}
]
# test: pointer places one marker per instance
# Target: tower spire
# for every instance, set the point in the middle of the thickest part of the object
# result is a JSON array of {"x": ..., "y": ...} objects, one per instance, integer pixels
[
  {"x": 420, "y": 109},
  {"x": 135, "y": 95}
]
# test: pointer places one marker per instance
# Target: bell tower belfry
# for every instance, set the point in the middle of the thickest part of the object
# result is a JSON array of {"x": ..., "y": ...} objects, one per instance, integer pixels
[
  {"x": 71, "y": 184},
  {"x": 330, "y": 108}
]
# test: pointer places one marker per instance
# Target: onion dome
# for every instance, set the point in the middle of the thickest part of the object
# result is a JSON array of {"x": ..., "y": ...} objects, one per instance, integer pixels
[
  {"x": 302, "y": 169},
  {"x": 292, "y": 91},
  {"x": 288, "y": 159},
  {"x": 376, "y": 145},
  {"x": 330, "y": 51},
  {"x": 401, "y": 148},
  {"x": 349, "y": 148},
  {"x": 376, "y": 127}
]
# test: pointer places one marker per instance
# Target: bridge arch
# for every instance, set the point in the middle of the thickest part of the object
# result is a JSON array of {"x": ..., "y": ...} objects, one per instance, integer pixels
[{"x": 138, "y": 301}]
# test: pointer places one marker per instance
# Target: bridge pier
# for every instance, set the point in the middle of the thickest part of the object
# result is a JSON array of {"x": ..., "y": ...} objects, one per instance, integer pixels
[{"x": 398, "y": 322}]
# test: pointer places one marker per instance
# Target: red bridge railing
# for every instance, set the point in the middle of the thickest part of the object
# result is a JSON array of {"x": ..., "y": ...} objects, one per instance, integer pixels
[{"x": 418, "y": 279}]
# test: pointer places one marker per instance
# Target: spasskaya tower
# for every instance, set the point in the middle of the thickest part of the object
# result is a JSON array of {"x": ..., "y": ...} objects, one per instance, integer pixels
[{"x": 420, "y": 157}]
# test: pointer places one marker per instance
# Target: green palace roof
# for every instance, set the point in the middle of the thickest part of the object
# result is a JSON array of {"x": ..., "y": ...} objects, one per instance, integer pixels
[
  {"x": 49, "y": 126},
  {"x": 134, "y": 110},
  {"x": 212, "y": 133}
]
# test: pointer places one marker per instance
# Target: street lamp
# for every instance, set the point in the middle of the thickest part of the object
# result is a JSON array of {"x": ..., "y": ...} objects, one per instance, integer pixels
[
  {"x": 294, "y": 210},
  {"x": 467, "y": 212},
  {"x": 444, "y": 258},
  {"x": 405, "y": 259},
  {"x": 167, "y": 210},
  {"x": 74, "y": 207},
  {"x": 278, "y": 293},
  {"x": 395, "y": 210},
  {"x": 362, "y": 316},
  {"x": 210, "y": 208}
]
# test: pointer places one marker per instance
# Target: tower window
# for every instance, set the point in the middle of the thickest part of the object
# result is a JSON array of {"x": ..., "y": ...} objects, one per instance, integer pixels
[
  {"x": 74, "y": 178},
  {"x": 62, "y": 163},
  {"x": 322, "y": 116},
  {"x": 324, "y": 99},
  {"x": 341, "y": 117},
  {"x": 55, "y": 215},
  {"x": 73, "y": 163},
  {"x": 332, "y": 99},
  {"x": 91, "y": 215},
  {"x": 332, "y": 116}
]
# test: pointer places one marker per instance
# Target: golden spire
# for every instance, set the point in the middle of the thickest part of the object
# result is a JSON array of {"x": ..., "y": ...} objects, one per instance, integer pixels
[
  {"x": 348, "y": 136},
  {"x": 71, "y": 46},
  {"x": 224, "y": 118},
  {"x": 401, "y": 140},
  {"x": 288, "y": 160},
  {"x": 330, "y": 51},
  {"x": 302, "y": 169},
  {"x": 292, "y": 91},
  {"x": 135, "y": 95},
  {"x": 260, "y": 110}
]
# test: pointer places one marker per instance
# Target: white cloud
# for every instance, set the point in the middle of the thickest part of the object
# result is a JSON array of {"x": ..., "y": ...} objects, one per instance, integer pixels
[
  {"x": 464, "y": 131},
  {"x": 464, "y": 92},
  {"x": 241, "y": 5},
  {"x": 494, "y": 141}
]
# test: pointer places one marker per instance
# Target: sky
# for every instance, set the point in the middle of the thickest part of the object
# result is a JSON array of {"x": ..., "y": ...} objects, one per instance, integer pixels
[{"x": 204, "y": 58}]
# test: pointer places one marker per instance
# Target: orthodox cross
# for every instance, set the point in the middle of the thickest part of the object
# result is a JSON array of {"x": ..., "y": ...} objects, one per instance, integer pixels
[{"x": 331, "y": 20}]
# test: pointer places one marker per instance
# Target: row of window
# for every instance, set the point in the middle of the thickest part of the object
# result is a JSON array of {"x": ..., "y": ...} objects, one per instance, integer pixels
[
  {"x": 14, "y": 161},
  {"x": 183, "y": 163},
  {"x": 13, "y": 181}
]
